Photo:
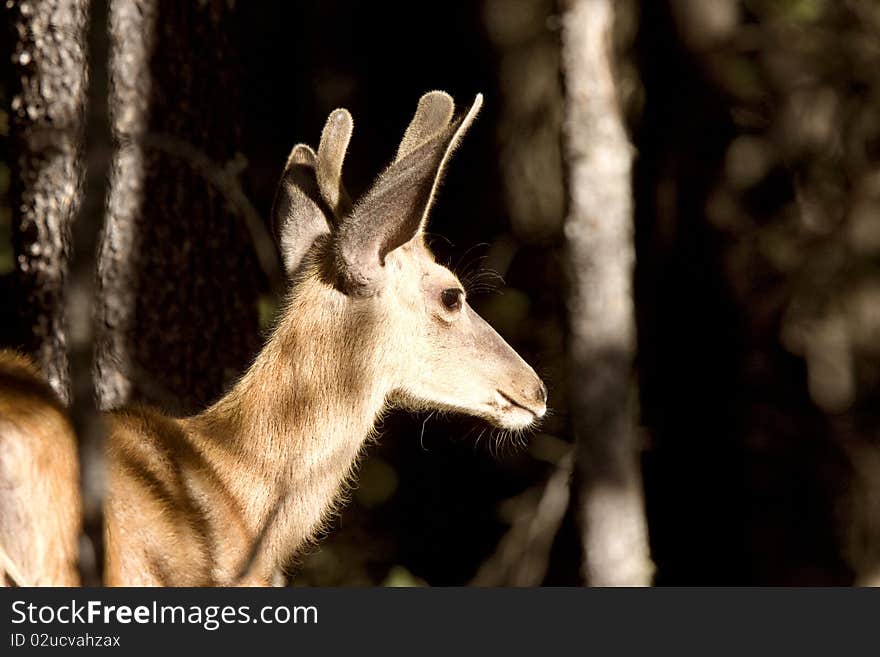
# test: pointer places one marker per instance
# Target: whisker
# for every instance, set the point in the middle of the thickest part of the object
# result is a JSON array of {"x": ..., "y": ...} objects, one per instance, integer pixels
[
  {"x": 469, "y": 268},
  {"x": 433, "y": 236},
  {"x": 422, "y": 434},
  {"x": 480, "y": 437},
  {"x": 478, "y": 245}
]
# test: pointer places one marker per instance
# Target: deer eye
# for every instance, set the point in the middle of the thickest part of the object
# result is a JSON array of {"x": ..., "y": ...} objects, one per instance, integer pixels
[{"x": 451, "y": 298}]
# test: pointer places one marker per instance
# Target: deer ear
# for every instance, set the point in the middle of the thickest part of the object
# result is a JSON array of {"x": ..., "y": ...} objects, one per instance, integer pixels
[
  {"x": 396, "y": 208},
  {"x": 311, "y": 196},
  {"x": 297, "y": 213}
]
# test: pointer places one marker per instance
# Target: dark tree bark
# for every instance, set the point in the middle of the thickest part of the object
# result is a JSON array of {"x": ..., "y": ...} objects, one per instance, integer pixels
[
  {"x": 48, "y": 103},
  {"x": 599, "y": 232},
  {"x": 178, "y": 278},
  {"x": 80, "y": 297}
]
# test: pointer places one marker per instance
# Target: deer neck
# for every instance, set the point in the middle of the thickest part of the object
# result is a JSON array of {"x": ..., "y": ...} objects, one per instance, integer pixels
[{"x": 286, "y": 438}]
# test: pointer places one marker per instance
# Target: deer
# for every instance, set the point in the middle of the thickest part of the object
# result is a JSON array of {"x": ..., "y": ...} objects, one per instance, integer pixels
[
  {"x": 371, "y": 322},
  {"x": 39, "y": 480}
]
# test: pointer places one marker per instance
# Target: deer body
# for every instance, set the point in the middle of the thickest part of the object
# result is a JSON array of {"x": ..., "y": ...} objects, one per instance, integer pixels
[
  {"x": 39, "y": 480},
  {"x": 231, "y": 494},
  {"x": 273, "y": 452}
]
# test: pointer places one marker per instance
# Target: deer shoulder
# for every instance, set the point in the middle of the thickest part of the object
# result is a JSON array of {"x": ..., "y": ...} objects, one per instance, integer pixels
[{"x": 39, "y": 480}]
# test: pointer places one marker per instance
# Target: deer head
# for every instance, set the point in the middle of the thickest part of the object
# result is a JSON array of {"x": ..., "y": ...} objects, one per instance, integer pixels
[{"x": 436, "y": 352}]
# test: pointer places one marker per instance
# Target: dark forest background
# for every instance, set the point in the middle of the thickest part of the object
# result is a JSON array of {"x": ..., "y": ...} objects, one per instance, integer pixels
[{"x": 756, "y": 189}]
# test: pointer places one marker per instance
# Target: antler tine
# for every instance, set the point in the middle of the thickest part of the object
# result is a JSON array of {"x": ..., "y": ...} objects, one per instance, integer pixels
[
  {"x": 301, "y": 154},
  {"x": 433, "y": 115},
  {"x": 331, "y": 154}
]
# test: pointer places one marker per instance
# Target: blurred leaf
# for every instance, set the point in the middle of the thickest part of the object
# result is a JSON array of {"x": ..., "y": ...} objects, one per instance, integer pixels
[
  {"x": 267, "y": 309},
  {"x": 399, "y": 576},
  {"x": 377, "y": 482},
  {"x": 800, "y": 11},
  {"x": 740, "y": 76}
]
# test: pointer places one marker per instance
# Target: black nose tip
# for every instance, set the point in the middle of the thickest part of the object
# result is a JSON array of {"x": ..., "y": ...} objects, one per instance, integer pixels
[{"x": 541, "y": 393}]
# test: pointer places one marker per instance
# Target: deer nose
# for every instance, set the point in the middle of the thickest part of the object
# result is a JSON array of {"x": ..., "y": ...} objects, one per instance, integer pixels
[
  {"x": 537, "y": 395},
  {"x": 541, "y": 393}
]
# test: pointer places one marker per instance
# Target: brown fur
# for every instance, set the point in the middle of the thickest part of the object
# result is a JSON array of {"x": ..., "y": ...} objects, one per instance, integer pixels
[
  {"x": 287, "y": 435},
  {"x": 39, "y": 480}
]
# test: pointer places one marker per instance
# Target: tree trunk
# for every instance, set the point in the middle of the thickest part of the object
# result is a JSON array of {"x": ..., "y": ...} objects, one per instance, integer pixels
[
  {"x": 178, "y": 278},
  {"x": 48, "y": 105},
  {"x": 599, "y": 233}
]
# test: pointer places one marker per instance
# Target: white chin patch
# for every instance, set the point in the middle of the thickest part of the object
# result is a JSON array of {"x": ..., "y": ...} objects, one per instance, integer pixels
[
  {"x": 516, "y": 418},
  {"x": 509, "y": 416}
]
